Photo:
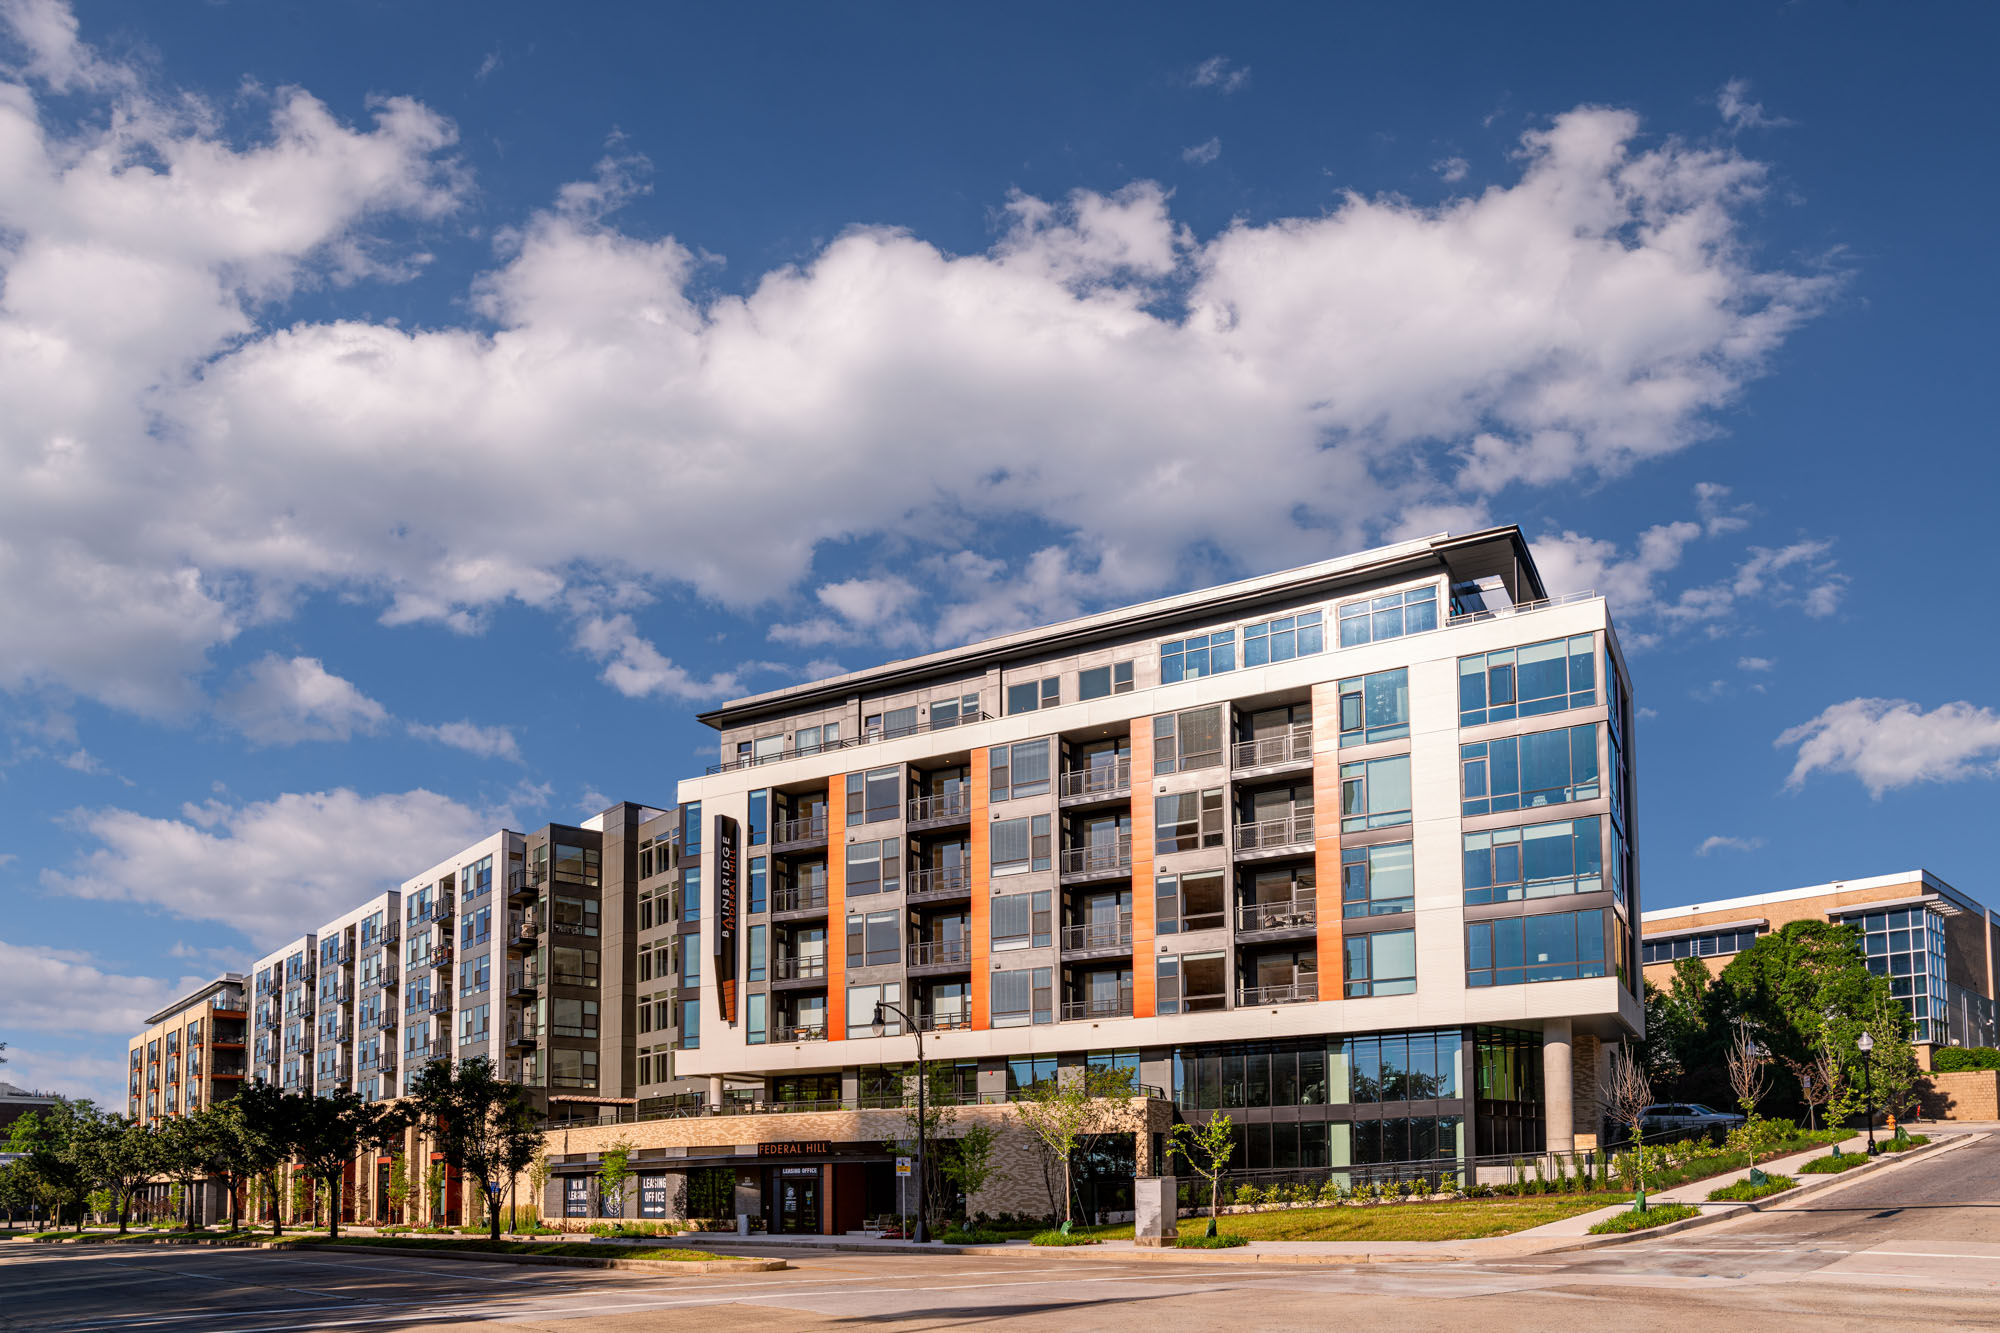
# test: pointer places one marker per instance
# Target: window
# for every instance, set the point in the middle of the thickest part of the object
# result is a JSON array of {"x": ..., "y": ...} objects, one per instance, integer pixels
[
  {"x": 475, "y": 974},
  {"x": 759, "y": 885},
  {"x": 951, "y": 712},
  {"x": 760, "y": 818},
  {"x": 1282, "y": 640},
  {"x": 874, "y": 796},
  {"x": 575, "y": 916},
  {"x": 1375, "y": 793},
  {"x": 768, "y": 748},
  {"x": 874, "y": 940},
  {"x": 1031, "y": 695},
  {"x": 1012, "y": 921},
  {"x": 690, "y": 1034},
  {"x": 1098, "y": 682},
  {"x": 1523, "y": 772},
  {"x": 1200, "y": 655},
  {"x": 1555, "y": 946},
  {"x": 861, "y": 1002},
  {"x": 1375, "y": 881},
  {"x": 1539, "y": 678},
  {"x": 755, "y": 1024},
  {"x": 1375, "y": 707},
  {"x": 690, "y": 895},
  {"x": 755, "y": 963},
  {"x": 1020, "y": 770},
  {"x": 573, "y": 967},
  {"x": 476, "y": 927},
  {"x": 1409, "y": 612},
  {"x": 1384, "y": 963},
  {"x": 1710, "y": 945},
  {"x": 811, "y": 740},
  {"x": 1020, "y": 845},
  {"x": 573, "y": 1018},
  {"x": 1187, "y": 821},
  {"x": 475, "y": 1023},
  {"x": 1022, "y": 997},
  {"x": 1538, "y": 861},
  {"x": 873, "y": 867},
  {"x": 691, "y": 960},
  {"x": 1186, "y": 741}
]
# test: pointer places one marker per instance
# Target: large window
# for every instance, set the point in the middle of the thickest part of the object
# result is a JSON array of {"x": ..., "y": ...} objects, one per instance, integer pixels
[
  {"x": 1020, "y": 770},
  {"x": 1186, "y": 741},
  {"x": 1198, "y": 655},
  {"x": 1711, "y": 944},
  {"x": 1030, "y": 695},
  {"x": 757, "y": 950},
  {"x": 1375, "y": 793},
  {"x": 1907, "y": 946},
  {"x": 874, "y": 940},
  {"x": 756, "y": 1026},
  {"x": 1555, "y": 946},
  {"x": 1097, "y": 682},
  {"x": 573, "y": 1018},
  {"x": 1187, "y": 821},
  {"x": 1377, "y": 881},
  {"x": 1384, "y": 963},
  {"x": 861, "y": 1002},
  {"x": 573, "y": 967},
  {"x": 1537, "y": 861},
  {"x": 1021, "y": 997},
  {"x": 1021, "y": 921},
  {"x": 874, "y": 796},
  {"x": 874, "y": 867},
  {"x": 1375, "y": 707},
  {"x": 951, "y": 712},
  {"x": 1523, "y": 772},
  {"x": 1529, "y": 681},
  {"x": 1389, "y": 617},
  {"x": 574, "y": 916},
  {"x": 1283, "y": 639},
  {"x": 1021, "y": 845}
]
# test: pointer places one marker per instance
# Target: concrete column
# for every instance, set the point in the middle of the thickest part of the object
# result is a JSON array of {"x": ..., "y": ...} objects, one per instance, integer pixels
[
  {"x": 715, "y": 1090},
  {"x": 1558, "y": 1115}
]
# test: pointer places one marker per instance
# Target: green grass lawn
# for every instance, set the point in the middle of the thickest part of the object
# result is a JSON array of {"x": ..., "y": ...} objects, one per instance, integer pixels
[
  {"x": 1453, "y": 1219},
  {"x": 558, "y": 1249}
]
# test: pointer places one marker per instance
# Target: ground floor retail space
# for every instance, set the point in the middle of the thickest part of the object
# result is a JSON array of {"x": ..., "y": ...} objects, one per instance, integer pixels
[{"x": 789, "y": 1187}]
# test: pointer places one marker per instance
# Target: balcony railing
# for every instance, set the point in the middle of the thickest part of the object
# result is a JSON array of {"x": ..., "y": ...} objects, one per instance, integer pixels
[
  {"x": 939, "y": 882},
  {"x": 870, "y": 738},
  {"x": 941, "y": 953},
  {"x": 1098, "y": 935},
  {"x": 784, "y": 1032},
  {"x": 1281, "y": 914},
  {"x": 951, "y": 1022},
  {"x": 798, "y": 968},
  {"x": 1303, "y": 991},
  {"x": 954, "y": 806},
  {"x": 792, "y": 832},
  {"x": 1099, "y": 1006},
  {"x": 440, "y": 958},
  {"x": 1291, "y": 746},
  {"x": 1097, "y": 780},
  {"x": 801, "y": 898},
  {"x": 1293, "y": 830},
  {"x": 1098, "y": 858},
  {"x": 1472, "y": 617}
]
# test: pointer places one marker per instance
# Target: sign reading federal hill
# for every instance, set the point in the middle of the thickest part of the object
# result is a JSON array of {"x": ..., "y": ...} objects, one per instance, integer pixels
[
  {"x": 724, "y": 946},
  {"x": 797, "y": 1148}
]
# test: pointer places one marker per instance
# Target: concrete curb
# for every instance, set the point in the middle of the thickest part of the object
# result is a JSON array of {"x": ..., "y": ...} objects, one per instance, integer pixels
[{"x": 553, "y": 1260}]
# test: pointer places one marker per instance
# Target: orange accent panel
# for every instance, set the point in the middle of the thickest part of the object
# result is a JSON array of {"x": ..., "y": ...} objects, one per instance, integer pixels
[
  {"x": 836, "y": 910},
  {"x": 1145, "y": 971},
  {"x": 1326, "y": 837},
  {"x": 982, "y": 899}
]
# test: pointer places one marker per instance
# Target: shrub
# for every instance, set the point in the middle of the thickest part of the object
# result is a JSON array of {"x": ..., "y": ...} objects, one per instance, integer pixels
[
  {"x": 1833, "y": 1166},
  {"x": 1965, "y": 1059},
  {"x": 1659, "y": 1215},
  {"x": 1211, "y": 1242},
  {"x": 1905, "y": 1144},
  {"x": 972, "y": 1237},
  {"x": 1059, "y": 1238},
  {"x": 1743, "y": 1191}
]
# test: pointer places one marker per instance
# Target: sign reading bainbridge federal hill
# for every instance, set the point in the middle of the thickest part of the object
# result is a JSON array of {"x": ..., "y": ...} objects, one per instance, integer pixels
[{"x": 725, "y": 905}]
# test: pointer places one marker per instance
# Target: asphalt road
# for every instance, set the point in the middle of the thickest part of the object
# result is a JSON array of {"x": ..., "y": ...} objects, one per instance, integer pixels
[{"x": 1918, "y": 1243}]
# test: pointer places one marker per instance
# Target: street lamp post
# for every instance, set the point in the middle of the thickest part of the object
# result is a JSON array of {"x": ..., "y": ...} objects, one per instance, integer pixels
[
  {"x": 1866, "y": 1045},
  {"x": 923, "y": 1119}
]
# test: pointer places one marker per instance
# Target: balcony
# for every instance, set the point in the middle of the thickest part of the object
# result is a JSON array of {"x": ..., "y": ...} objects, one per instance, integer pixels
[
  {"x": 522, "y": 1039},
  {"x": 440, "y": 911},
  {"x": 798, "y": 902},
  {"x": 946, "y": 1022},
  {"x": 871, "y": 738},
  {"x": 1098, "y": 937},
  {"x": 1284, "y": 836},
  {"x": 784, "y": 1032},
  {"x": 387, "y": 1063},
  {"x": 522, "y": 987},
  {"x": 440, "y": 959},
  {"x": 521, "y": 886},
  {"x": 950, "y": 809},
  {"x": 1303, "y": 991},
  {"x": 523, "y": 934},
  {"x": 386, "y": 1021},
  {"x": 1099, "y": 1006},
  {"x": 1290, "y": 748},
  {"x": 441, "y": 1048},
  {"x": 798, "y": 973},
  {"x": 795, "y": 835},
  {"x": 1100, "y": 782},
  {"x": 390, "y": 977},
  {"x": 1282, "y": 916},
  {"x": 441, "y": 1004},
  {"x": 346, "y": 956},
  {"x": 1107, "y": 860},
  {"x": 935, "y": 884},
  {"x": 940, "y": 956}
]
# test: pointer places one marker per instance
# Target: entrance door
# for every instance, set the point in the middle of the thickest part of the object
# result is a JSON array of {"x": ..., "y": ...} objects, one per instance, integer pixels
[{"x": 798, "y": 1201}]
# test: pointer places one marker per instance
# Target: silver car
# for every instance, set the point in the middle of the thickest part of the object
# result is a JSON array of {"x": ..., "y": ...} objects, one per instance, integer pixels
[{"x": 1691, "y": 1117}]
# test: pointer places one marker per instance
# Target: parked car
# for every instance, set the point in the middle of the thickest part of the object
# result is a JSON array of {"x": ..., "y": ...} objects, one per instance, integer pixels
[{"x": 1689, "y": 1117}]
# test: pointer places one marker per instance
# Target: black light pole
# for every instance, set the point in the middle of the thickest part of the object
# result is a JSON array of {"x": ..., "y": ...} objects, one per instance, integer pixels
[
  {"x": 923, "y": 1231},
  {"x": 1866, "y": 1045}
]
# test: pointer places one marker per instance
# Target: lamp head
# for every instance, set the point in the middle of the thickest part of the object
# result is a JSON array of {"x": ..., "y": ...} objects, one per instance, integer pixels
[
  {"x": 879, "y": 1020},
  {"x": 1865, "y": 1044}
]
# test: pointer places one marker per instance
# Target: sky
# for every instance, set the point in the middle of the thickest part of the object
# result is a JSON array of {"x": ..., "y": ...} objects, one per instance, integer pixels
[{"x": 410, "y": 416}]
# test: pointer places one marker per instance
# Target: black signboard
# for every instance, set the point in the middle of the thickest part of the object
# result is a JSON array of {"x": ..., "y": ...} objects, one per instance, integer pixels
[
  {"x": 723, "y": 944},
  {"x": 576, "y": 1196},
  {"x": 652, "y": 1196}
]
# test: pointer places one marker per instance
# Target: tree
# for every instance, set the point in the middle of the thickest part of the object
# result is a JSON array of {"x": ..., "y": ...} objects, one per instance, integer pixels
[
  {"x": 539, "y": 1172},
  {"x": 1819, "y": 1079},
  {"x": 930, "y": 1124},
  {"x": 332, "y": 1133},
  {"x": 482, "y": 1125},
  {"x": 398, "y": 1192},
  {"x": 1686, "y": 1034},
  {"x": 1068, "y": 1112},
  {"x": 1626, "y": 1096},
  {"x": 614, "y": 1172},
  {"x": 968, "y": 1165},
  {"x": 1207, "y": 1149},
  {"x": 1749, "y": 1070},
  {"x": 123, "y": 1157},
  {"x": 266, "y": 1124},
  {"x": 434, "y": 1183},
  {"x": 187, "y": 1151},
  {"x": 50, "y": 1142}
]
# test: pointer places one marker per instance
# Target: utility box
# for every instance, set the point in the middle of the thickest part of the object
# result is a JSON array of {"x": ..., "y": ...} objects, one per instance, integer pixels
[{"x": 1155, "y": 1211}]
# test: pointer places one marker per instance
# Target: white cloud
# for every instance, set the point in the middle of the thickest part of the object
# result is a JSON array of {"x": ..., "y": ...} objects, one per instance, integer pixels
[
  {"x": 1203, "y": 153},
  {"x": 1451, "y": 170},
  {"x": 488, "y": 66},
  {"x": 1890, "y": 743},
  {"x": 485, "y": 742},
  {"x": 1218, "y": 72},
  {"x": 1718, "y": 843},
  {"x": 63, "y": 1067},
  {"x": 281, "y": 701},
  {"x": 1756, "y": 664},
  {"x": 186, "y": 459},
  {"x": 268, "y": 868},
  {"x": 65, "y": 990},
  {"x": 1740, "y": 113}
]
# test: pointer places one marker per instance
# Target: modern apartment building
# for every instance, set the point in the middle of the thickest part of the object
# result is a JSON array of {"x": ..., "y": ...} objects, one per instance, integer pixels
[
  {"x": 191, "y": 1054},
  {"x": 1936, "y": 944},
  {"x": 1104, "y": 841},
  {"x": 285, "y": 998}
]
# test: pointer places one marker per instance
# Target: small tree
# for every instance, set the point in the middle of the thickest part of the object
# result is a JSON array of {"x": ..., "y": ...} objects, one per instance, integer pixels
[
  {"x": 538, "y": 1177},
  {"x": 614, "y": 1172},
  {"x": 969, "y": 1163},
  {"x": 435, "y": 1178},
  {"x": 1067, "y": 1112},
  {"x": 1626, "y": 1096},
  {"x": 481, "y": 1124},
  {"x": 52, "y": 1146},
  {"x": 1207, "y": 1149},
  {"x": 1819, "y": 1076},
  {"x": 187, "y": 1150},
  {"x": 398, "y": 1192}
]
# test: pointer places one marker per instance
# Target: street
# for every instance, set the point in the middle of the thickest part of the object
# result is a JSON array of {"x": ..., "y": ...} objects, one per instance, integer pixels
[{"x": 1920, "y": 1242}]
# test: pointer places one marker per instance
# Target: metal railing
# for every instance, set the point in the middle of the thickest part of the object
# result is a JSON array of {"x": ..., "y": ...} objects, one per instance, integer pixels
[
  {"x": 1303, "y": 991},
  {"x": 1098, "y": 857},
  {"x": 1280, "y": 914},
  {"x": 1099, "y": 1007},
  {"x": 622, "y": 1115},
  {"x": 941, "y": 953},
  {"x": 810, "y": 829},
  {"x": 939, "y": 882},
  {"x": 803, "y": 968},
  {"x": 783, "y": 1032},
  {"x": 955, "y": 805},
  {"x": 869, "y": 738},
  {"x": 801, "y": 898},
  {"x": 1097, "y": 780},
  {"x": 1291, "y": 830},
  {"x": 1293, "y": 746},
  {"x": 1099, "y": 935},
  {"x": 944, "y": 1022},
  {"x": 1521, "y": 609}
]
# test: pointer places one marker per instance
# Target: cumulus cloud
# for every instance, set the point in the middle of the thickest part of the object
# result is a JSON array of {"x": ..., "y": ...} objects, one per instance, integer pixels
[
  {"x": 1740, "y": 113},
  {"x": 1719, "y": 843},
  {"x": 67, "y": 990},
  {"x": 484, "y": 742},
  {"x": 1220, "y": 73},
  {"x": 1756, "y": 664},
  {"x": 1451, "y": 170},
  {"x": 1891, "y": 743},
  {"x": 187, "y": 459},
  {"x": 267, "y": 868},
  {"x": 1203, "y": 153},
  {"x": 281, "y": 701}
]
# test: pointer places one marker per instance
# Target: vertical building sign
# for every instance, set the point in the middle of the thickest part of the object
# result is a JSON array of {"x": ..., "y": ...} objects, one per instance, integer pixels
[{"x": 726, "y": 916}]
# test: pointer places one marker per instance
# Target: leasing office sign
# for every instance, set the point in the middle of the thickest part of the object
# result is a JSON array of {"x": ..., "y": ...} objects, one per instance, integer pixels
[{"x": 726, "y": 914}]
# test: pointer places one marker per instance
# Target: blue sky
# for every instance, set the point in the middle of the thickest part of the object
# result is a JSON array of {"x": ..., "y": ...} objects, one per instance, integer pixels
[{"x": 411, "y": 415}]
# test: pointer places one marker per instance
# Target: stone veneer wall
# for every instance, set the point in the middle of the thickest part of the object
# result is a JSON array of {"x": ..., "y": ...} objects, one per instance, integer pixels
[
  {"x": 1972, "y": 1094},
  {"x": 1586, "y": 1058}
]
